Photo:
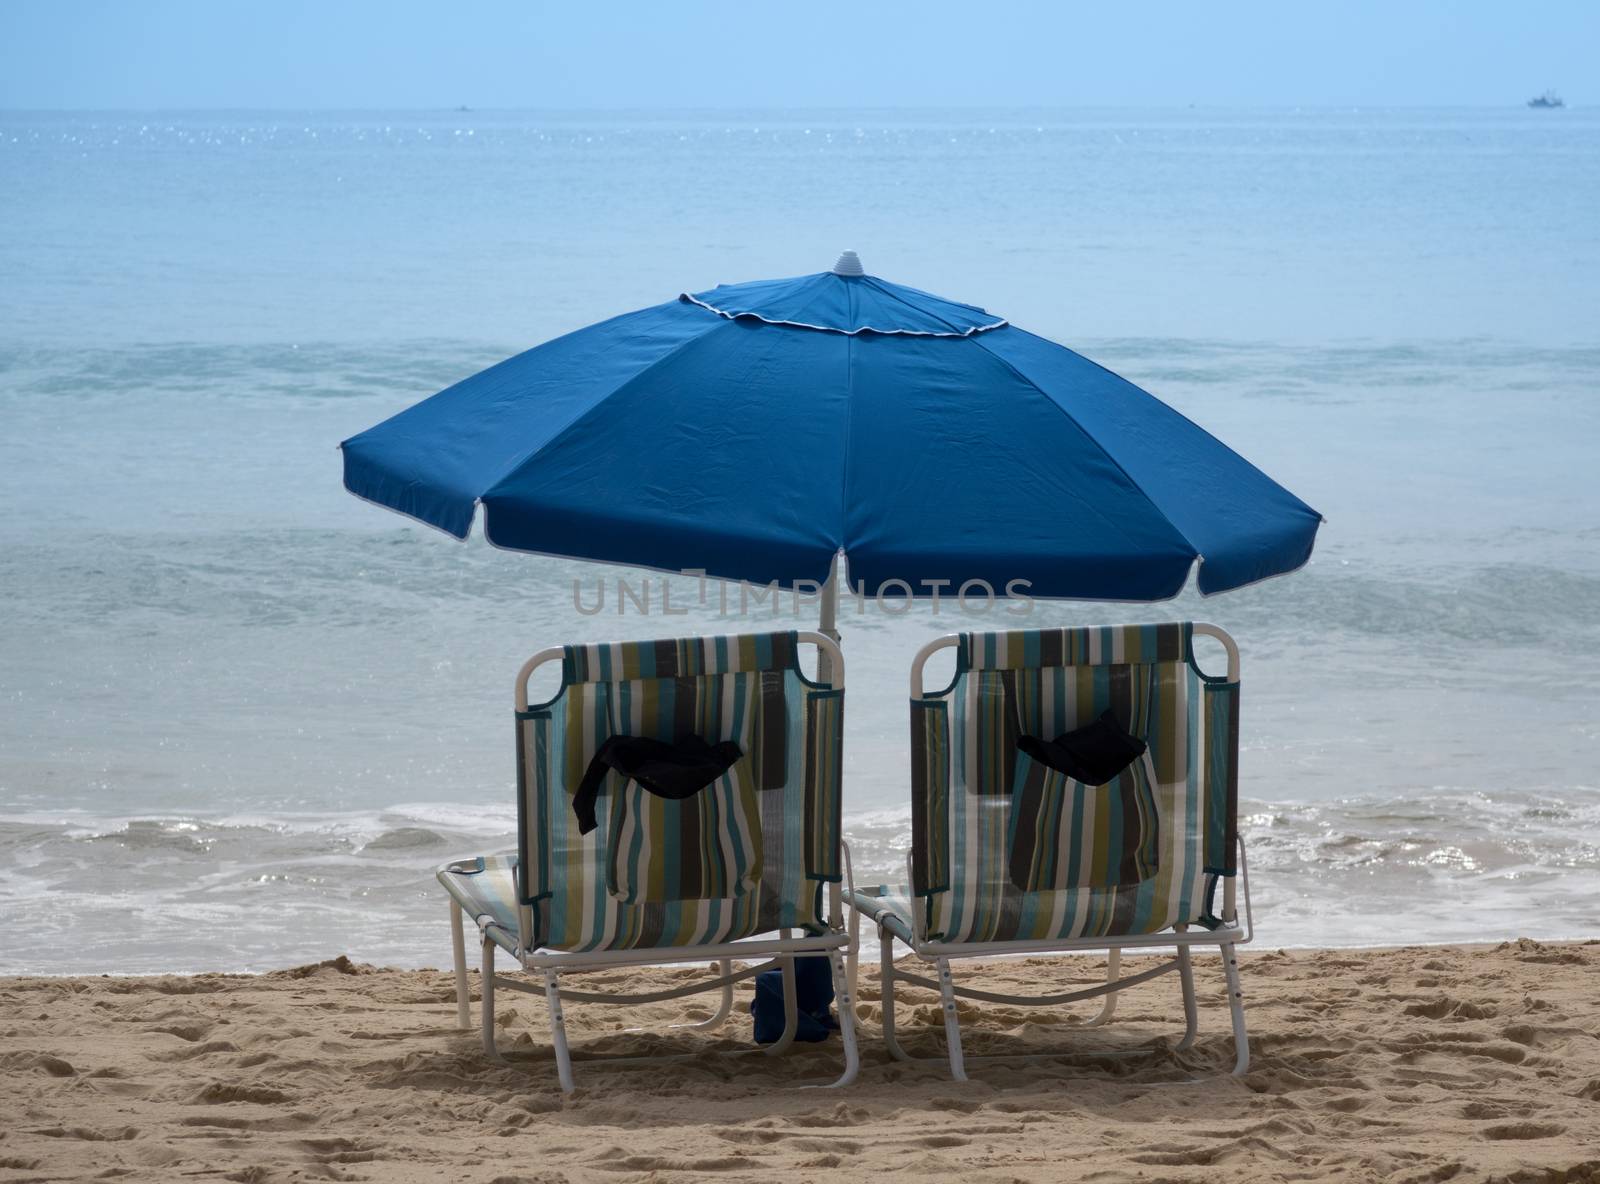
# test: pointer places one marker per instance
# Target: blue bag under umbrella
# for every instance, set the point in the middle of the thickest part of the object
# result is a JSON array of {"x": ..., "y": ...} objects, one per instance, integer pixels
[{"x": 813, "y": 983}]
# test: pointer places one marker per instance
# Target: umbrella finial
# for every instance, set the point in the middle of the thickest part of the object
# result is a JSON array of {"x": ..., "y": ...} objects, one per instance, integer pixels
[{"x": 849, "y": 264}]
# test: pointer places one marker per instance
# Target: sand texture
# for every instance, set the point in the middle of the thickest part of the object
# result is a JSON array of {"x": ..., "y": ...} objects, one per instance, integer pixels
[{"x": 1396, "y": 1065}]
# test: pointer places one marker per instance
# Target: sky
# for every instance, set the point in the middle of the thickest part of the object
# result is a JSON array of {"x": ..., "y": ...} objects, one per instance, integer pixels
[{"x": 166, "y": 54}]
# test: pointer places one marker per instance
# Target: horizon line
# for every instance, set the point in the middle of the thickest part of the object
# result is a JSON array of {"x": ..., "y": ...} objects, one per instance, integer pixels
[{"x": 781, "y": 109}]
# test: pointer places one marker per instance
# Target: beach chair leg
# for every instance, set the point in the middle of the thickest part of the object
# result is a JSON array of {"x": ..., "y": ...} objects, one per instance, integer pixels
[
  {"x": 458, "y": 947},
  {"x": 1108, "y": 1008},
  {"x": 724, "y": 1005},
  {"x": 558, "y": 1030},
  {"x": 847, "y": 1018},
  {"x": 486, "y": 1004},
  {"x": 1241, "y": 1042},
  {"x": 886, "y": 978},
  {"x": 791, "y": 1004},
  {"x": 855, "y": 953},
  {"x": 952, "y": 1021},
  {"x": 1191, "y": 1010}
]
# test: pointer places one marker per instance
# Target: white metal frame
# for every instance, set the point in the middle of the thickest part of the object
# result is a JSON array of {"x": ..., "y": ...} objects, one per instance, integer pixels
[
  {"x": 1227, "y": 938},
  {"x": 550, "y": 965}
]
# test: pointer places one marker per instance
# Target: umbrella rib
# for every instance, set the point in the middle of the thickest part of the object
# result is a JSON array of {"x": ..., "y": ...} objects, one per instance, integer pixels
[
  {"x": 1208, "y": 435},
  {"x": 955, "y": 330},
  {"x": 849, "y": 436},
  {"x": 580, "y": 416},
  {"x": 1101, "y": 448}
]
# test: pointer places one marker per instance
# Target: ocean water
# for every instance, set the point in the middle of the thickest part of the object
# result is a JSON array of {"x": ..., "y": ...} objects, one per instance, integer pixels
[{"x": 242, "y": 715}]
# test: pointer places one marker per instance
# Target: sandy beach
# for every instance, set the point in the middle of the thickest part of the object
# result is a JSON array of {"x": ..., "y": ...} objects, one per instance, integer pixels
[{"x": 1411, "y": 1064}]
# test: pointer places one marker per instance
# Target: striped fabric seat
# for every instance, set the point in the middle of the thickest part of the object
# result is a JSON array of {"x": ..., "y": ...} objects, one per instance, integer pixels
[
  {"x": 777, "y": 819},
  {"x": 486, "y": 890},
  {"x": 1045, "y": 683},
  {"x": 703, "y": 847},
  {"x": 1065, "y": 834}
]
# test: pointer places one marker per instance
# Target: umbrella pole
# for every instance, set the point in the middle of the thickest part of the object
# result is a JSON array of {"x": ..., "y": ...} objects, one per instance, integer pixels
[{"x": 827, "y": 620}]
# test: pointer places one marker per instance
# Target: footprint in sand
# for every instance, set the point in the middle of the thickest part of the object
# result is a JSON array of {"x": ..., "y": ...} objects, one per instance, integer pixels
[
  {"x": 1523, "y": 1130},
  {"x": 38, "y": 1062},
  {"x": 210, "y": 1048},
  {"x": 84, "y": 1134},
  {"x": 338, "y": 1150},
  {"x": 826, "y": 1145},
  {"x": 1447, "y": 1008},
  {"x": 1485, "y": 1111},
  {"x": 761, "y": 1136},
  {"x": 189, "y": 1032},
  {"x": 840, "y": 1115},
  {"x": 219, "y": 1093}
]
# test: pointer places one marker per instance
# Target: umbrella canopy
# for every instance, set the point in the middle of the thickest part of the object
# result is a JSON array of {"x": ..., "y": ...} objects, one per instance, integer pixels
[{"x": 757, "y": 430}]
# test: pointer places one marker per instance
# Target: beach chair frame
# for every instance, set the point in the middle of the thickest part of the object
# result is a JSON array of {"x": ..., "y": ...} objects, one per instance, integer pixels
[
  {"x": 548, "y": 965},
  {"x": 1181, "y": 938}
]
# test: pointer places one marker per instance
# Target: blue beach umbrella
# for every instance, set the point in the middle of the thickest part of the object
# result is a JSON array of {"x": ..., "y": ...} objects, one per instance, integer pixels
[{"x": 758, "y": 431}]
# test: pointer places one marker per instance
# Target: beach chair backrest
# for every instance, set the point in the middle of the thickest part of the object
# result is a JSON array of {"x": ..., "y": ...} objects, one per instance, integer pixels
[
  {"x": 748, "y": 854},
  {"x": 969, "y": 801}
]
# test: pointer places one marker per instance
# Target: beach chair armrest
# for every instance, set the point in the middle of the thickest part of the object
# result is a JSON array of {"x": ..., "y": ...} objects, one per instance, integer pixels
[{"x": 1230, "y": 904}]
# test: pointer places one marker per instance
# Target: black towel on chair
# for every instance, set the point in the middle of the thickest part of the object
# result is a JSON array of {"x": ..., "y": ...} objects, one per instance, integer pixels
[
  {"x": 1092, "y": 755},
  {"x": 674, "y": 771}
]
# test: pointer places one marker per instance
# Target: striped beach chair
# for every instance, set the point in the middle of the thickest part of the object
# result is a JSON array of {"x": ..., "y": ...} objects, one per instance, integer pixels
[
  {"x": 749, "y": 867},
  {"x": 1010, "y": 856}
]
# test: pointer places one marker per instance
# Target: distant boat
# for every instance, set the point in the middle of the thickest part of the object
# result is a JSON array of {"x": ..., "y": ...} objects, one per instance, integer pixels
[
  {"x": 1549, "y": 100},
  {"x": 464, "y": 108}
]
